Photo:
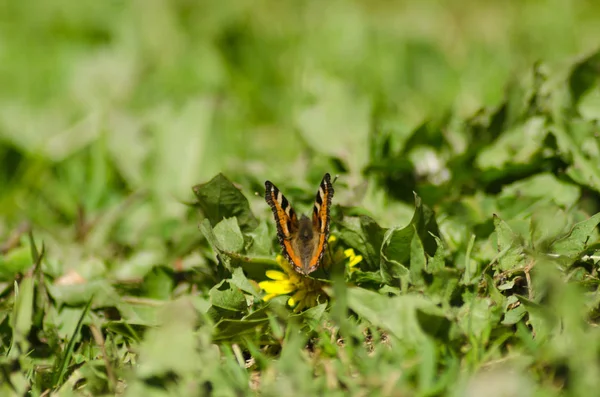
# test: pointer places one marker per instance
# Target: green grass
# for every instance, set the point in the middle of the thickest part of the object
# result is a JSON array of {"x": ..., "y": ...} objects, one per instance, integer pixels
[{"x": 136, "y": 138}]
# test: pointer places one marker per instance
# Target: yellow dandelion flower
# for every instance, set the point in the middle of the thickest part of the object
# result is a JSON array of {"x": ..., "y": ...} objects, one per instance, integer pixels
[
  {"x": 353, "y": 259},
  {"x": 306, "y": 291}
]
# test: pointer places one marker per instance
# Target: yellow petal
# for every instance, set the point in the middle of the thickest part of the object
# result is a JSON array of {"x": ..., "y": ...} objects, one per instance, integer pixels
[
  {"x": 268, "y": 297},
  {"x": 355, "y": 261},
  {"x": 276, "y": 275},
  {"x": 277, "y": 287},
  {"x": 298, "y": 296},
  {"x": 331, "y": 239},
  {"x": 349, "y": 253}
]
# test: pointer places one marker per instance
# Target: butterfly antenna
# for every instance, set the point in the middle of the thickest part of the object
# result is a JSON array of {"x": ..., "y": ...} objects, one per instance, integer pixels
[{"x": 335, "y": 179}]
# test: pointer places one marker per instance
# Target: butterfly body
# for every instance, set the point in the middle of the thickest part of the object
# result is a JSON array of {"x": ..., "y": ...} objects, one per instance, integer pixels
[{"x": 303, "y": 240}]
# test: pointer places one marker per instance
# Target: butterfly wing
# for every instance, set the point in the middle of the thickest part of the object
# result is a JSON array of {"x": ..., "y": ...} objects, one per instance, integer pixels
[
  {"x": 320, "y": 219},
  {"x": 286, "y": 221}
]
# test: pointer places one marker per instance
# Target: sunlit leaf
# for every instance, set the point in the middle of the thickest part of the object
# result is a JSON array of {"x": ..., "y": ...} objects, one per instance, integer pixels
[{"x": 219, "y": 199}]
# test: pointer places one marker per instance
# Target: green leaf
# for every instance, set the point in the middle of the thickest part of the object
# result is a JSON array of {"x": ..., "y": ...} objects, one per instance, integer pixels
[
  {"x": 173, "y": 345},
  {"x": 227, "y": 296},
  {"x": 261, "y": 240},
  {"x": 78, "y": 294},
  {"x": 573, "y": 138},
  {"x": 210, "y": 236},
  {"x": 395, "y": 252},
  {"x": 364, "y": 235},
  {"x": 437, "y": 263},
  {"x": 476, "y": 318},
  {"x": 547, "y": 223},
  {"x": 542, "y": 319},
  {"x": 511, "y": 148},
  {"x": 398, "y": 244},
  {"x": 418, "y": 259},
  {"x": 444, "y": 285},
  {"x": 21, "y": 320},
  {"x": 510, "y": 249},
  {"x": 15, "y": 261},
  {"x": 219, "y": 199},
  {"x": 239, "y": 280},
  {"x": 544, "y": 185},
  {"x": 227, "y": 328},
  {"x": 576, "y": 240},
  {"x": 584, "y": 76},
  {"x": 314, "y": 315},
  {"x": 360, "y": 277},
  {"x": 158, "y": 284},
  {"x": 513, "y": 316},
  {"x": 228, "y": 235},
  {"x": 408, "y": 317},
  {"x": 230, "y": 238}
]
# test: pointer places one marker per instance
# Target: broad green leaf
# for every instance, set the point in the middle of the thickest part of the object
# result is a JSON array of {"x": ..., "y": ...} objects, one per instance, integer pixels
[
  {"x": 510, "y": 250},
  {"x": 227, "y": 296},
  {"x": 584, "y": 76},
  {"x": 542, "y": 319},
  {"x": 576, "y": 240},
  {"x": 544, "y": 185},
  {"x": 514, "y": 315},
  {"x": 365, "y": 236},
  {"x": 494, "y": 292},
  {"x": 208, "y": 232},
  {"x": 589, "y": 104},
  {"x": 395, "y": 252},
  {"x": 578, "y": 144},
  {"x": 219, "y": 199},
  {"x": 359, "y": 277},
  {"x": 511, "y": 148},
  {"x": 313, "y": 315},
  {"x": 139, "y": 312},
  {"x": 228, "y": 235},
  {"x": 227, "y": 245},
  {"x": 437, "y": 263},
  {"x": 398, "y": 244},
  {"x": 173, "y": 345},
  {"x": 158, "y": 284},
  {"x": 547, "y": 223},
  {"x": 399, "y": 315},
  {"x": 444, "y": 285},
  {"x": 418, "y": 259},
  {"x": 101, "y": 290},
  {"x": 241, "y": 281},
  {"x": 476, "y": 318},
  {"x": 261, "y": 240},
  {"x": 139, "y": 264},
  {"x": 237, "y": 329},
  {"x": 15, "y": 261}
]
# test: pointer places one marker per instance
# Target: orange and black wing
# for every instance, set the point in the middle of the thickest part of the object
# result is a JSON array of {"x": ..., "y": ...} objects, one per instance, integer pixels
[
  {"x": 286, "y": 221},
  {"x": 320, "y": 218}
]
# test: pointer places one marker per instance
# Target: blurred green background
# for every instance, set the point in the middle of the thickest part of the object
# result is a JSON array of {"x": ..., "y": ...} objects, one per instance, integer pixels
[
  {"x": 110, "y": 111},
  {"x": 102, "y": 99}
]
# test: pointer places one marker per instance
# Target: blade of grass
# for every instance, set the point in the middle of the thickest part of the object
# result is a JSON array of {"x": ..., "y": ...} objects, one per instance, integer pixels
[{"x": 59, "y": 374}]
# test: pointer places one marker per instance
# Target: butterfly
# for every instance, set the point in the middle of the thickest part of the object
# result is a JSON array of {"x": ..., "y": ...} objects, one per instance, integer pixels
[{"x": 303, "y": 240}]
